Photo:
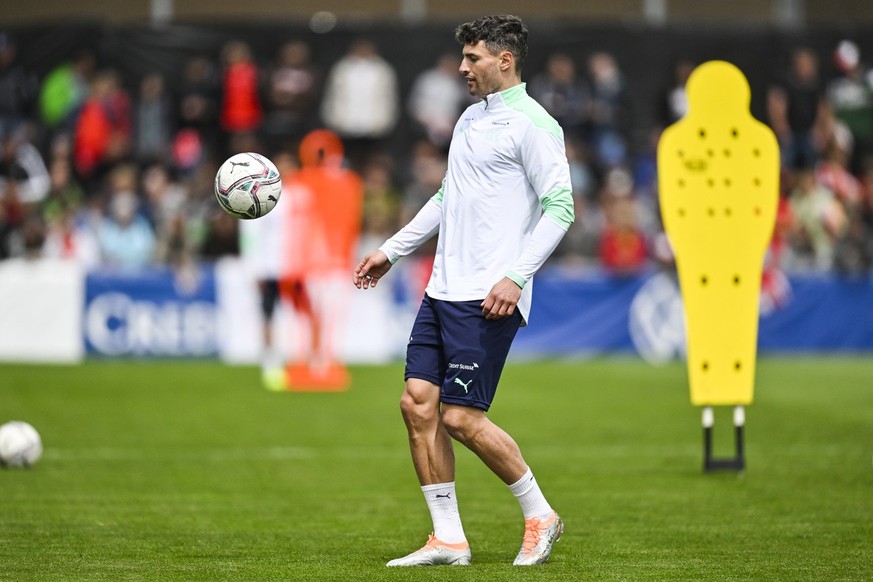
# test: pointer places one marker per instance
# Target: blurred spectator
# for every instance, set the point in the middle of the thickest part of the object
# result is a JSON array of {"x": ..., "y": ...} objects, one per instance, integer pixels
[
  {"x": 292, "y": 95},
  {"x": 580, "y": 245},
  {"x": 437, "y": 98},
  {"x": 65, "y": 193},
  {"x": 582, "y": 178},
  {"x": 103, "y": 130},
  {"x": 69, "y": 234},
  {"x": 381, "y": 201},
  {"x": 164, "y": 196},
  {"x": 64, "y": 90},
  {"x": 241, "y": 109},
  {"x": 171, "y": 244},
  {"x": 153, "y": 120},
  {"x": 775, "y": 286},
  {"x": 21, "y": 162},
  {"x": 610, "y": 111},
  {"x": 245, "y": 142},
  {"x": 18, "y": 87},
  {"x": 644, "y": 169},
  {"x": 853, "y": 252},
  {"x": 166, "y": 203},
  {"x": 796, "y": 109},
  {"x": 126, "y": 238},
  {"x": 198, "y": 94},
  {"x": 850, "y": 96},
  {"x": 564, "y": 94},
  {"x": 361, "y": 102},
  {"x": 69, "y": 237},
  {"x": 833, "y": 174},
  {"x": 819, "y": 220},
  {"x": 200, "y": 205},
  {"x": 189, "y": 150},
  {"x": 29, "y": 239},
  {"x": 11, "y": 215},
  {"x": 866, "y": 180},
  {"x": 221, "y": 237},
  {"x": 674, "y": 101},
  {"x": 196, "y": 114},
  {"x": 427, "y": 168},
  {"x": 623, "y": 248}
]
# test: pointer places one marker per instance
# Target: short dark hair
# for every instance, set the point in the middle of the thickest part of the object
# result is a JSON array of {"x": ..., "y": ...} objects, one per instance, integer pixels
[{"x": 502, "y": 32}]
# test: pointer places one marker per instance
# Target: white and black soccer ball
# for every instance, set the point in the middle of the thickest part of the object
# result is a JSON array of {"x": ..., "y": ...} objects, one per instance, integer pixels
[
  {"x": 248, "y": 185},
  {"x": 20, "y": 445}
]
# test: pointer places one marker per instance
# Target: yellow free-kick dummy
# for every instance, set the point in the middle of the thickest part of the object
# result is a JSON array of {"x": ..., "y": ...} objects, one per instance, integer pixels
[{"x": 718, "y": 179}]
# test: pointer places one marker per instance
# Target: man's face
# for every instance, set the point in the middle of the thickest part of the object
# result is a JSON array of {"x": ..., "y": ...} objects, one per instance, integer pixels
[{"x": 481, "y": 69}]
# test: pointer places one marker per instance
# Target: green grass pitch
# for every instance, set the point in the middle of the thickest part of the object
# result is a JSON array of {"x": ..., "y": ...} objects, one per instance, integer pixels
[{"x": 192, "y": 471}]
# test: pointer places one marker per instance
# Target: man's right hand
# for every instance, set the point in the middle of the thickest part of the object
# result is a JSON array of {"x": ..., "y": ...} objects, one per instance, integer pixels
[{"x": 371, "y": 269}]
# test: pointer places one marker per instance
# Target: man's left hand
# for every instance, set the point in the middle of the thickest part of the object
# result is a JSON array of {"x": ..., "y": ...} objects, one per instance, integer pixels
[{"x": 501, "y": 300}]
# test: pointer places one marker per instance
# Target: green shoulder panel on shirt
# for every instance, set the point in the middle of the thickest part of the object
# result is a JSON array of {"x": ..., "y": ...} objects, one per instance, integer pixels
[
  {"x": 438, "y": 197},
  {"x": 518, "y": 99}
]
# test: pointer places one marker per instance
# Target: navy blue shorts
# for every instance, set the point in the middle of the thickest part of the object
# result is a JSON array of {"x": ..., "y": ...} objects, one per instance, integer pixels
[{"x": 453, "y": 346}]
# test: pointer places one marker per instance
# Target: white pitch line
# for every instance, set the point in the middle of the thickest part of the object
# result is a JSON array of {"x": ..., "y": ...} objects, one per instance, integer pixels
[{"x": 170, "y": 452}]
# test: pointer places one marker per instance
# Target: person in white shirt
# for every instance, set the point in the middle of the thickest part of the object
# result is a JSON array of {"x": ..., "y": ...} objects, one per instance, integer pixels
[
  {"x": 261, "y": 246},
  {"x": 437, "y": 97},
  {"x": 361, "y": 101},
  {"x": 21, "y": 162},
  {"x": 504, "y": 205}
]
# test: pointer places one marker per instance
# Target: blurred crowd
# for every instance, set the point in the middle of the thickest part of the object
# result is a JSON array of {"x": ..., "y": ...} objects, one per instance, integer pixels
[{"x": 119, "y": 175}]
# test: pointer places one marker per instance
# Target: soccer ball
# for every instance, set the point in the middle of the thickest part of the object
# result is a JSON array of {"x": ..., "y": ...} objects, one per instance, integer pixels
[
  {"x": 248, "y": 185},
  {"x": 20, "y": 445}
]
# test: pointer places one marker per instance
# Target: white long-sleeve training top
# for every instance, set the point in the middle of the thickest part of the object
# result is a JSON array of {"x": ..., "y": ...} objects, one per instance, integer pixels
[{"x": 504, "y": 204}]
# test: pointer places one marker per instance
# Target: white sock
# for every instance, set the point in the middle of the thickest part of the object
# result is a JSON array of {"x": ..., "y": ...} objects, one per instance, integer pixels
[
  {"x": 533, "y": 502},
  {"x": 443, "y": 506},
  {"x": 271, "y": 359}
]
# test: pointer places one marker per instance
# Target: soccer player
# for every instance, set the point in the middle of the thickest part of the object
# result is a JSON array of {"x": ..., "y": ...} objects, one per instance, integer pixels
[
  {"x": 504, "y": 205},
  {"x": 262, "y": 252},
  {"x": 322, "y": 238}
]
